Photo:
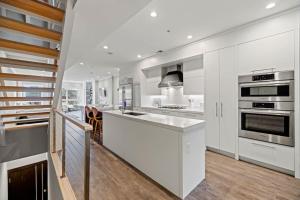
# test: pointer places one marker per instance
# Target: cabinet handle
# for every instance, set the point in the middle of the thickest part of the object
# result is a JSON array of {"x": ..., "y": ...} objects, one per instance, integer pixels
[
  {"x": 262, "y": 145},
  {"x": 216, "y": 109},
  {"x": 221, "y": 109}
]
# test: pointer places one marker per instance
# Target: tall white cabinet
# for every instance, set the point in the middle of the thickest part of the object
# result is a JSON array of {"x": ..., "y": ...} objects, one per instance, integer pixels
[
  {"x": 212, "y": 99},
  {"x": 221, "y": 99}
]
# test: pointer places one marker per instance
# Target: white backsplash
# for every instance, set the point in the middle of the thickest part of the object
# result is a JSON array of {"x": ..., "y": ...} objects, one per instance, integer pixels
[{"x": 175, "y": 96}]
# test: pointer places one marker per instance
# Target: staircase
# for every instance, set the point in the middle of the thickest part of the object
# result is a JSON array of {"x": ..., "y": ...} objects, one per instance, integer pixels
[{"x": 30, "y": 37}]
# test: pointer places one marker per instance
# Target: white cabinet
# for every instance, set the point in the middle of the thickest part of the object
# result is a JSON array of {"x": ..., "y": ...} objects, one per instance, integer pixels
[
  {"x": 211, "y": 67},
  {"x": 272, "y": 52},
  {"x": 228, "y": 100},
  {"x": 221, "y": 99},
  {"x": 152, "y": 86},
  {"x": 153, "y": 78},
  {"x": 272, "y": 154},
  {"x": 193, "y": 79}
]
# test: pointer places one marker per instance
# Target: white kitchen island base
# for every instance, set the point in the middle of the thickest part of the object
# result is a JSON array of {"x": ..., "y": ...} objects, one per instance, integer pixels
[{"x": 170, "y": 150}]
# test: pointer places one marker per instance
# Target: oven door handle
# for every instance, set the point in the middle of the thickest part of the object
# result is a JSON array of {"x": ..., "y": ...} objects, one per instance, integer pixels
[
  {"x": 267, "y": 84},
  {"x": 266, "y": 112}
]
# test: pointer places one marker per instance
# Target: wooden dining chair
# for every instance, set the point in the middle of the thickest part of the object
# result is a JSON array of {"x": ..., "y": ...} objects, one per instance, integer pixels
[
  {"x": 97, "y": 117},
  {"x": 89, "y": 115}
]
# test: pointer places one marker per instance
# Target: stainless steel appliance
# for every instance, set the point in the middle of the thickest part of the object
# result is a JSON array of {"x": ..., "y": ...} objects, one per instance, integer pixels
[
  {"x": 172, "y": 76},
  {"x": 129, "y": 94},
  {"x": 276, "y": 86},
  {"x": 266, "y": 107},
  {"x": 267, "y": 121}
]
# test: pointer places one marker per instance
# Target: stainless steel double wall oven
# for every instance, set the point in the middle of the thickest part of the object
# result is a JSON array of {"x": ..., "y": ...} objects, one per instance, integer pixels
[{"x": 266, "y": 107}]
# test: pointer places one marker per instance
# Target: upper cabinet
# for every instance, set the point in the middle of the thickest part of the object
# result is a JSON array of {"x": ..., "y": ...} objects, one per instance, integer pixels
[
  {"x": 153, "y": 78},
  {"x": 275, "y": 52},
  {"x": 193, "y": 77}
]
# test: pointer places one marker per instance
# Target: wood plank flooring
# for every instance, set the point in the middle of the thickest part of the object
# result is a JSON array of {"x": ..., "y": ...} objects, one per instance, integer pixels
[{"x": 226, "y": 179}]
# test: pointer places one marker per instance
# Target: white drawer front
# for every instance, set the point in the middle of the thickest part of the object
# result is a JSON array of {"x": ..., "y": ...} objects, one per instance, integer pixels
[{"x": 277, "y": 155}]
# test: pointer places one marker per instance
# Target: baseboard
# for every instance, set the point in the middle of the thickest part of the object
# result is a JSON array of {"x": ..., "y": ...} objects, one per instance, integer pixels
[
  {"x": 225, "y": 153},
  {"x": 269, "y": 166}
]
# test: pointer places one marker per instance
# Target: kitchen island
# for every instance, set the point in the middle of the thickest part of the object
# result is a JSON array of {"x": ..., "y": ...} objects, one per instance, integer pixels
[{"x": 168, "y": 149}]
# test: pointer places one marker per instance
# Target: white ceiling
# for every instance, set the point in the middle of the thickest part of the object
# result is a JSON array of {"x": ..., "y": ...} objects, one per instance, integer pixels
[
  {"x": 95, "y": 20},
  {"x": 144, "y": 35},
  {"x": 88, "y": 72}
]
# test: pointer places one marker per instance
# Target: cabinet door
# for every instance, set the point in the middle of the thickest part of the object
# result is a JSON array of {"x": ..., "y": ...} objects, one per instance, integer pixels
[
  {"x": 193, "y": 85},
  {"x": 272, "y": 52},
  {"x": 153, "y": 78},
  {"x": 228, "y": 100},
  {"x": 152, "y": 86},
  {"x": 193, "y": 77},
  {"x": 211, "y": 68}
]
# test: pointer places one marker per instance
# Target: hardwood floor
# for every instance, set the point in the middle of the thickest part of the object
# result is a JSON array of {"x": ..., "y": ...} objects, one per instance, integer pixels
[{"x": 226, "y": 179}]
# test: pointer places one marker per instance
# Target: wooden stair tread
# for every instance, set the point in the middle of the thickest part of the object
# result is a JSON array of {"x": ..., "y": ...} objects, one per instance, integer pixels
[
  {"x": 29, "y": 29},
  {"x": 26, "y": 120},
  {"x": 15, "y": 63},
  {"x": 25, "y": 114},
  {"x": 24, "y": 107},
  {"x": 25, "y": 89},
  {"x": 29, "y": 78},
  {"x": 26, "y": 98},
  {"x": 28, "y": 49},
  {"x": 13, "y": 127},
  {"x": 37, "y": 8}
]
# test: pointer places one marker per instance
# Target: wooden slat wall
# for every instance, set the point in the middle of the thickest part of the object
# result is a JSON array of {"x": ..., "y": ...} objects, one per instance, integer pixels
[
  {"x": 29, "y": 78},
  {"x": 38, "y": 8},
  {"x": 28, "y": 49},
  {"x": 24, "y": 114},
  {"x": 44, "y": 12},
  {"x": 24, "y": 107},
  {"x": 7, "y": 62},
  {"x": 29, "y": 29},
  {"x": 26, "y": 120},
  {"x": 25, "y": 89},
  {"x": 25, "y": 98}
]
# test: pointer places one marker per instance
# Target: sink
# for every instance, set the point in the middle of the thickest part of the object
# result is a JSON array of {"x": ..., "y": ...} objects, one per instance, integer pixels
[{"x": 134, "y": 113}]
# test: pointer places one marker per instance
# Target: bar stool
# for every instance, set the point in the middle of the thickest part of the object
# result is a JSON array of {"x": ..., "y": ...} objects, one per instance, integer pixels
[
  {"x": 97, "y": 117},
  {"x": 89, "y": 115}
]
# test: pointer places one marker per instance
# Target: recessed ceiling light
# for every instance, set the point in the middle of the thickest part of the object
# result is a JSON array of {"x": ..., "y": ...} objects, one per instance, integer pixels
[
  {"x": 105, "y": 47},
  {"x": 270, "y": 5},
  {"x": 153, "y": 14},
  {"x": 108, "y": 72},
  {"x": 189, "y": 37},
  {"x": 139, "y": 56},
  {"x": 81, "y": 63}
]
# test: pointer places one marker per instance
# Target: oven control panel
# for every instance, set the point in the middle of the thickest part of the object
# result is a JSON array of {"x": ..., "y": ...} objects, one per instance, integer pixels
[
  {"x": 263, "y": 105},
  {"x": 263, "y": 77}
]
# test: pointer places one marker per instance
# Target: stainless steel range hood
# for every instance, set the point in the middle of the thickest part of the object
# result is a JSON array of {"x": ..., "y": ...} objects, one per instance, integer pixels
[{"x": 172, "y": 76}]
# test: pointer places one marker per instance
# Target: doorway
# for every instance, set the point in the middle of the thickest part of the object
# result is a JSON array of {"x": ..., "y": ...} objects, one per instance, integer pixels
[{"x": 28, "y": 182}]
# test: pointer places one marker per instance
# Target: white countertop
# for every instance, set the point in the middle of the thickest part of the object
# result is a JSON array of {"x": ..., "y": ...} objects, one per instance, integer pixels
[
  {"x": 195, "y": 110},
  {"x": 171, "y": 122}
]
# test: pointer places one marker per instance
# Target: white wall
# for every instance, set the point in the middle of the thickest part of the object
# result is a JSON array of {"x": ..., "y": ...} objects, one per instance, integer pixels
[
  {"x": 115, "y": 92},
  {"x": 277, "y": 24},
  {"x": 107, "y": 84}
]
